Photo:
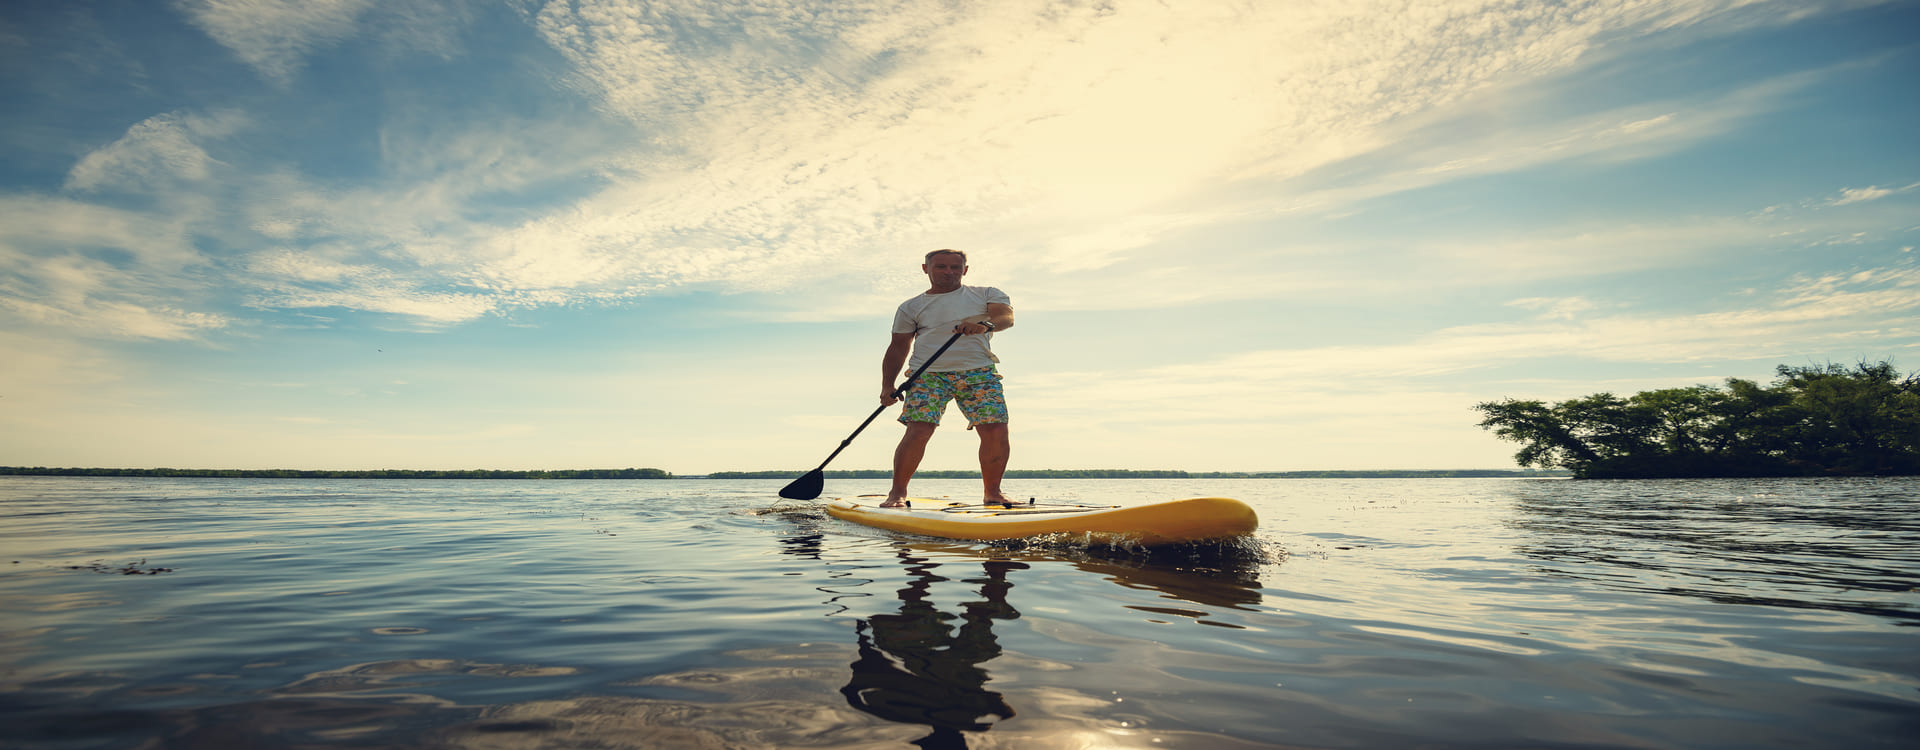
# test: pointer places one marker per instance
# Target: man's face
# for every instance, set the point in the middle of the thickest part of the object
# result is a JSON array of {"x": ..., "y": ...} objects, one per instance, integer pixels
[{"x": 945, "y": 270}]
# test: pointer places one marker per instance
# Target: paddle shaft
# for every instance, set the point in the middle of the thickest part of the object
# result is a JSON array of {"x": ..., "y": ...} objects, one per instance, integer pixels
[{"x": 897, "y": 393}]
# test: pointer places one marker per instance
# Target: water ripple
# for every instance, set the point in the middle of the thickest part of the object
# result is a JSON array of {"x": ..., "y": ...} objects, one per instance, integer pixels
[{"x": 1365, "y": 613}]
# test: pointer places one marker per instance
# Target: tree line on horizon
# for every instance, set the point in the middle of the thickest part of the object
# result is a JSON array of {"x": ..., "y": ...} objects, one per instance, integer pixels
[
  {"x": 1828, "y": 420},
  {"x": 1152, "y": 474},
  {"x": 43, "y": 471},
  {"x": 962, "y": 474},
  {"x": 834, "y": 474}
]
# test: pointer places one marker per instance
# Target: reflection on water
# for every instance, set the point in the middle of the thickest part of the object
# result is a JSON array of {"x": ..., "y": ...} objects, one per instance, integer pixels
[
  {"x": 915, "y": 668},
  {"x": 1214, "y": 575},
  {"x": 1797, "y": 544}
]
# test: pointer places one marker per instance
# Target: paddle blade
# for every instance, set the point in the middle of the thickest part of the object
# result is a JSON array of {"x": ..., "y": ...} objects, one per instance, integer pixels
[{"x": 805, "y": 488}]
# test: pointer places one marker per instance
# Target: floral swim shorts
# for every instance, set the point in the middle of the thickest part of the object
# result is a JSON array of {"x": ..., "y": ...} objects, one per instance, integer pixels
[{"x": 978, "y": 391}]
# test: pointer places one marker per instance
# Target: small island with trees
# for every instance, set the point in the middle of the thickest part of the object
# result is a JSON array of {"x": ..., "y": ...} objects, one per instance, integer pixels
[{"x": 1829, "y": 420}]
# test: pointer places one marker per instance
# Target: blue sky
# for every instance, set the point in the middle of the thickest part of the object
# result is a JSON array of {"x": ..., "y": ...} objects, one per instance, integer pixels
[{"x": 1238, "y": 236}]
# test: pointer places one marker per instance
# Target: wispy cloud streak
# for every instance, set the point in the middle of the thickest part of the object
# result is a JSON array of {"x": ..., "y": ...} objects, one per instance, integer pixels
[{"x": 275, "y": 36}]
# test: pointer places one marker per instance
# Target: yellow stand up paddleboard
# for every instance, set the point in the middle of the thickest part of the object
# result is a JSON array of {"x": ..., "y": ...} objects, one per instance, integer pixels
[{"x": 1153, "y": 524}]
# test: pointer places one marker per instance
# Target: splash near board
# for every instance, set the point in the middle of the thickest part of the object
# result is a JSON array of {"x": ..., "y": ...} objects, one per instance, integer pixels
[{"x": 1152, "y": 524}]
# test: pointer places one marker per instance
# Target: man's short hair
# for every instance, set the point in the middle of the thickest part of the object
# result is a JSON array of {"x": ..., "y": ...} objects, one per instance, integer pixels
[{"x": 963, "y": 256}]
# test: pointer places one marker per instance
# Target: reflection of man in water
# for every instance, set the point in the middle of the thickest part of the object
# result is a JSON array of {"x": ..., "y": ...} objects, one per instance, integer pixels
[{"x": 914, "y": 669}]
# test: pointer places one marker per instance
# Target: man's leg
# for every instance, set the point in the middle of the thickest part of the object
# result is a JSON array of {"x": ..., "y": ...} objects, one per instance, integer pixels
[
  {"x": 906, "y": 460},
  {"x": 995, "y": 448}
]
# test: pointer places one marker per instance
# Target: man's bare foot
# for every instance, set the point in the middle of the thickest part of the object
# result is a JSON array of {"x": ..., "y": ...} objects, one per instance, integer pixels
[
  {"x": 895, "y": 501},
  {"x": 997, "y": 500}
]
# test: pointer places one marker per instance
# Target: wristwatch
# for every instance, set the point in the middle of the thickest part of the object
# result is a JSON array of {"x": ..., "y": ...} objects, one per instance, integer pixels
[{"x": 988, "y": 324}]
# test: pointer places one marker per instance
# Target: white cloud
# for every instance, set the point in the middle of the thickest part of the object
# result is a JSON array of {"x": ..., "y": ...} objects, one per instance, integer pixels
[
  {"x": 1494, "y": 132},
  {"x": 291, "y": 266},
  {"x": 97, "y": 271},
  {"x": 34, "y": 226},
  {"x": 157, "y": 153},
  {"x": 1868, "y": 193},
  {"x": 117, "y": 319},
  {"x": 291, "y": 280},
  {"x": 275, "y": 36},
  {"x": 1555, "y": 308},
  {"x": 1856, "y": 195}
]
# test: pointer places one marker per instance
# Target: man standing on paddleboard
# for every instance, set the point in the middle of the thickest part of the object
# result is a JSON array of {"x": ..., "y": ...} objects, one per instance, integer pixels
[{"x": 964, "y": 373}]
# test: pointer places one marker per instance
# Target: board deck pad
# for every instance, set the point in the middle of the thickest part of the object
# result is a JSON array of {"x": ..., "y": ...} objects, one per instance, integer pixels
[
  {"x": 1151, "y": 524},
  {"x": 1016, "y": 509}
]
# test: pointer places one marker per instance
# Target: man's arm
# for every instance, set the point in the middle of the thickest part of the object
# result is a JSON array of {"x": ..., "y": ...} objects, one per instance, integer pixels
[
  {"x": 1001, "y": 315},
  {"x": 890, "y": 365}
]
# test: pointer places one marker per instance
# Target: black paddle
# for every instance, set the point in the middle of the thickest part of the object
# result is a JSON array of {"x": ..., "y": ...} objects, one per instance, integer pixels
[{"x": 808, "y": 487}]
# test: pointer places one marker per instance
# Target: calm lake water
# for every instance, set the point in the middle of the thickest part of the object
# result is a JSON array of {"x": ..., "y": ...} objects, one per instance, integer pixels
[{"x": 1379, "y": 613}]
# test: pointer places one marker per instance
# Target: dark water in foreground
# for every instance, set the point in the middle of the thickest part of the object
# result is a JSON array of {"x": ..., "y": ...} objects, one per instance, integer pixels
[{"x": 1450, "y": 613}]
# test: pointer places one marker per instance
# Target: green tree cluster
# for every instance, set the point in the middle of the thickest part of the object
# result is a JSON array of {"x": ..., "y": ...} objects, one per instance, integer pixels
[{"x": 1812, "y": 421}]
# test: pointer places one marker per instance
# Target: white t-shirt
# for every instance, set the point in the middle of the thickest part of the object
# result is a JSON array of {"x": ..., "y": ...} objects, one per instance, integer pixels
[{"x": 931, "y": 318}]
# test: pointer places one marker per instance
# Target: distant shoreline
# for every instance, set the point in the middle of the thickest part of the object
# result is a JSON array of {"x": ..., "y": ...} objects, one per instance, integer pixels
[
  {"x": 43, "y": 471},
  {"x": 1160, "y": 474}
]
